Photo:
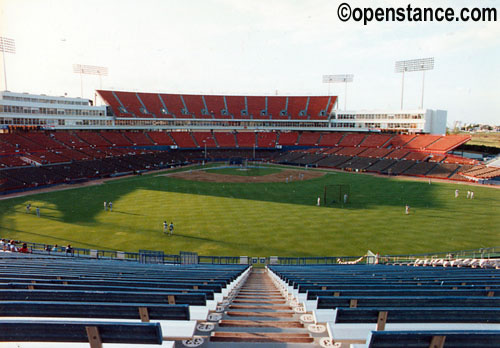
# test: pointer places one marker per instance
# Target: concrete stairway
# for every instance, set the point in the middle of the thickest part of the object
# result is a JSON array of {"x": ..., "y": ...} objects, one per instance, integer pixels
[{"x": 259, "y": 316}]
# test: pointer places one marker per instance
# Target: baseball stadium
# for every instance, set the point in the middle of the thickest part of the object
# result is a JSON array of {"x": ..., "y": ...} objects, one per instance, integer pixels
[{"x": 144, "y": 219}]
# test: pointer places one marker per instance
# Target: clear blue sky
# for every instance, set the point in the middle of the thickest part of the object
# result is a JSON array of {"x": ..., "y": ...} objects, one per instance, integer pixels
[{"x": 253, "y": 47}]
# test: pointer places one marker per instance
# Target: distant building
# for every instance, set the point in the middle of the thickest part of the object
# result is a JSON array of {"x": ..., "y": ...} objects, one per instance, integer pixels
[{"x": 130, "y": 110}]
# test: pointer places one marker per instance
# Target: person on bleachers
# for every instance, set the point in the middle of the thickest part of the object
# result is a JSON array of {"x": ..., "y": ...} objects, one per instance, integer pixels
[
  {"x": 3, "y": 244},
  {"x": 69, "y": 250},
  {"x": 25, "y": 249},
  {"x": 12, "y": 246}
]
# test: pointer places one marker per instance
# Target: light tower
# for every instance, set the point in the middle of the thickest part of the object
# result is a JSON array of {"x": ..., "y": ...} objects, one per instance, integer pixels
[
  {"x": 89, "y": 70},
  {"x": 422, "y": 64},
  {"x": 6, "y": 46},
  {"x": 345, "y": 78}
]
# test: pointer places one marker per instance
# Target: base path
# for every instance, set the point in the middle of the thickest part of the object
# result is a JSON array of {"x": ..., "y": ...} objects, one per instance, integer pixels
[{"x": 259, "y": 316}]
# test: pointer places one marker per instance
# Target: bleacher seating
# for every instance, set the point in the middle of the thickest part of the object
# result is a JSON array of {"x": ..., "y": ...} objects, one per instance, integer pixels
[
  {"x": 352, "y": 139},
  {"x": 50, "y": 288},
  {"x": 352, "y": 300},
  {"x": 138, "y": 138},
  {"x": 20, "y": 142},
  {"x": 45, "y": 140},
  {"x": 296, "y": 105},
  {"x": 275, "y": 105},
  {"x": 183, "y": 139},
  {"x": 375, "y": 152},
  {"x": 203, "y": 138},
  {"x": 443, "y": 170},
  {"x": 93, "y": 138},
  {"x": 288, "y": 139},
  {"x": 358, "y": 163},
  {"x": 482, "y": 172},
  {"x": 69, "y": 139},
  {"x": 235, "y": 104},
  {"x": 80, "y": 331},
  {"x": 195, "y": 106},
  {"x": 174, "y": 105},
  {"x": 397, "y": 154},
  {"x": 333, "y": 161},
  {"x": 266, "y": 140},
  {"x": 445, "y": 144},
  {"x": 215, "y": 105},
  {"x": 160, "y": 138},
  {"x": 416, "y": 156},
  {"x": 437, "y": 158},
  {"x": 434, "y": 339},
  {"x": 376, "y": 140},
  {"x": 116, "y": 138},
  {"x": 132, "y": 104},
  {"x": 225, "y": 139},
  {"x": 245, "y": 139},
  {"x": 399, "y": 167},
  {"x": 350, "y": 151},
  {"x": 400, "y": 140},
  {"x": 319, "y": 105},
  {"x": 330, "y": 139},
  {"x": 309, "y": 138},
  {"x": 421, "y": 168},
  {"x": 421, "y": 142},
  {"x": 381, "y": 165},
  {"x": 154, "y": 105}
]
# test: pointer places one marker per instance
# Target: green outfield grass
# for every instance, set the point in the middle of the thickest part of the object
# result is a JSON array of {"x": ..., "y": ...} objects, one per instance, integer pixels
[
  {"x": 260, "y": 219},
  {"x": 244, "y": 171}
]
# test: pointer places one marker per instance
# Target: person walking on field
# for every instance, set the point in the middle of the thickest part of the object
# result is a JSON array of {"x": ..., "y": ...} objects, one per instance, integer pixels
[
  {"x": 110, "y": 205},
  {"x": 171, "y": 228},
  {"x": 456, "y": 193},
  {"x": 407, "y": 209},
  {"x": 105, "y": 206},
  {"x": 165, "y": 226}
]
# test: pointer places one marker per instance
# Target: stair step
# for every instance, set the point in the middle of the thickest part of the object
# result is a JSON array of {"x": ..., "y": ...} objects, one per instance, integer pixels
[
  {"x": 260, "y": 323},
  {"x": 261, "y": 337},
  {"x": 261, "y": 301},
  {"x": 261, "y": 314},
  {"x": 260, "y": 297},
  {"x": 260, "y": 307}
]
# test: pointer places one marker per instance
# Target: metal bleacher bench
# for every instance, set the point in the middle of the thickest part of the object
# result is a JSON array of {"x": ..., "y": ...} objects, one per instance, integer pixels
[
  {"x": 433, "y": 339},
  {"x": 139, "y": 311},
  {"x": 95, "y": 333},
  {"x": 354, "y": 324}
]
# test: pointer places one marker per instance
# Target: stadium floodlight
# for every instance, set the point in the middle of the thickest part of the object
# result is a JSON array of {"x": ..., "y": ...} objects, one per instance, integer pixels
[
  {"x": 6, "y": 46},
  {"x": 344, "y": 78},
  {"x": 412, "y": 65},
  {"x": 89, "y": 70}
]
